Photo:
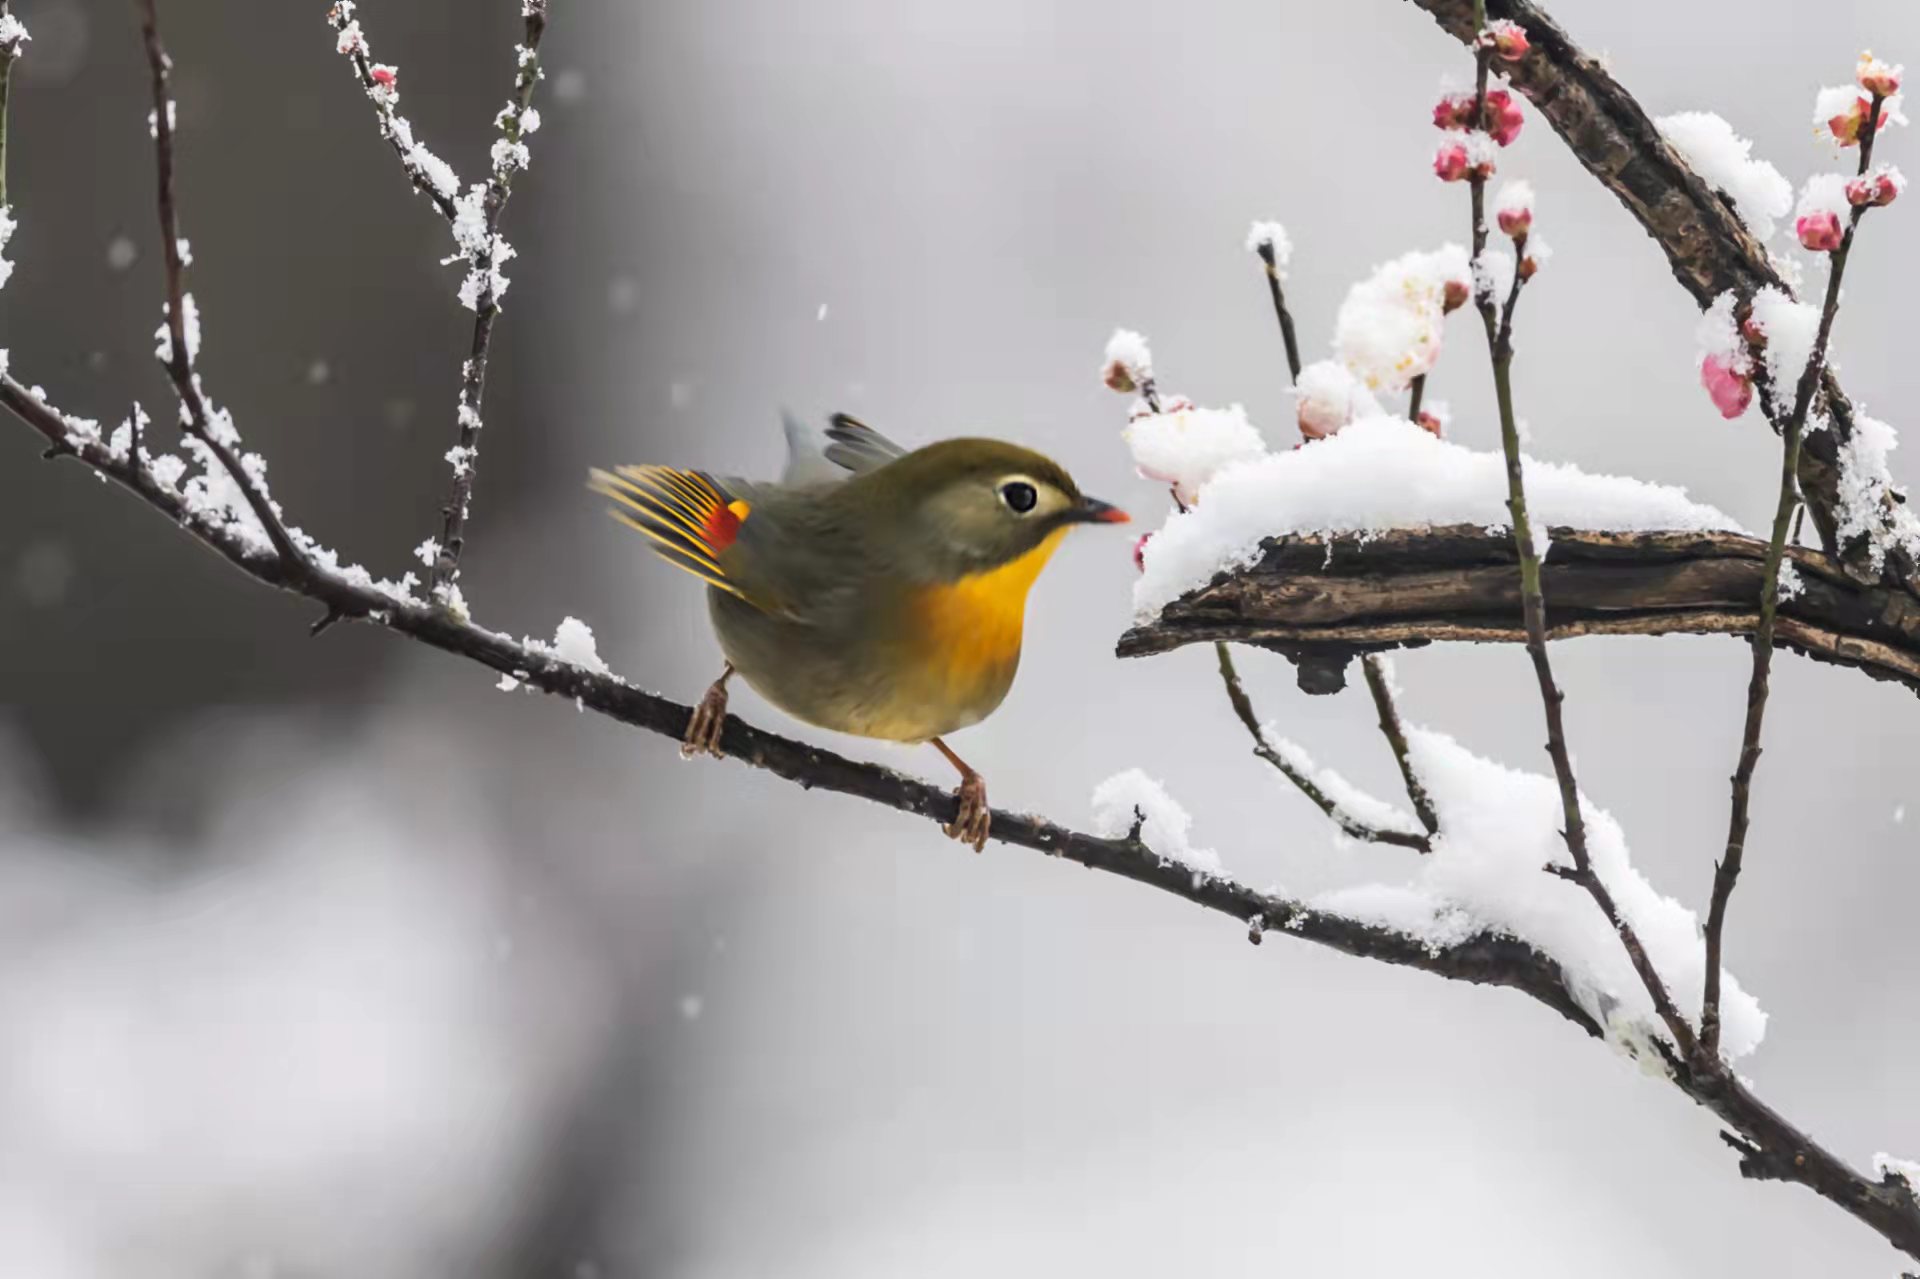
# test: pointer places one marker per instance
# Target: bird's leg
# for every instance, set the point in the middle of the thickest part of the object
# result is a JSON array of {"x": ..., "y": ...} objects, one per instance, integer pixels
[
  {"x": 970, "y": 823},
  {"x": 709, "y": 717}
]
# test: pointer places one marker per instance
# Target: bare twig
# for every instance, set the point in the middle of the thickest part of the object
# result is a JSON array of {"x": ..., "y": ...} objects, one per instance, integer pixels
[
  {"x": 1347, "y": 822},
  {"x": 429, "y": 177},
  {"x": 509, "y": 156},
  {"x": 1265, "y": 249},
  {"x": 179, "y": 362},
  {"x": 1726, "y": 872},
  {"x": 9, "y": 53},
  {"x": 1499, "y": 329},
  {"x": 1381, "y": 687}
]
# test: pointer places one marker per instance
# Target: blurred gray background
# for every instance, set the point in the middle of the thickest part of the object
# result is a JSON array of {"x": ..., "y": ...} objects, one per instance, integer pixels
[{"x": 323, "y": 958}]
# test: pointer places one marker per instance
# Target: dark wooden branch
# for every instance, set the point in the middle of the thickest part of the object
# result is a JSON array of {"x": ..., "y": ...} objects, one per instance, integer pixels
[
  {"x": 1706, "y": 245},
  {"x": 1406, "y": 589},
  {"x": 1381, "y": 690}
]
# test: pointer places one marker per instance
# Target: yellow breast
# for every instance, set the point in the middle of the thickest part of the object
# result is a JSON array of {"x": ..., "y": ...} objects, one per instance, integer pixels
[{"x": 970, "y": 630}]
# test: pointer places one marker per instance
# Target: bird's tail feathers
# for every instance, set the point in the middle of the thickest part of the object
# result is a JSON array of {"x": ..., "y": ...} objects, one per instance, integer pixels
[{"x": 687, "y": 515}]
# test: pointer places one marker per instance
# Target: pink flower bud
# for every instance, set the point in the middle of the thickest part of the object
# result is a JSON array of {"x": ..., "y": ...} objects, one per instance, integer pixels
[
  {"x": 1503, "y": 117},
  {"x": 1730, "y": 390},
  {"x": 1819, "y": 232},
  {"x": 1454, "y": 295},
  {"x": 1117, "y": 377},
  {"x": 1876, "y": 76},
  {"x": 384, "y": 76},
  {"x": 1755, "y": 335},
  {"x": 1428, "y": 423},
  {"x": 1140, "y": 552},
  {"x": 1507, "y": 39},
  {"x": 1848, "y": 125},
  {"x": 1528, "y": 267},
  {"x": 1878, "y": 188},
  {"x": 1453, "y": 111},
  {"x": 1516, "y": 222},
  {"x": 1450, "y": 161}
]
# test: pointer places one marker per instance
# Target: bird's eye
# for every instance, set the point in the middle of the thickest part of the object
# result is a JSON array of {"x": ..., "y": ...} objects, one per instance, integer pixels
[{"x": 1019, "y": 496}]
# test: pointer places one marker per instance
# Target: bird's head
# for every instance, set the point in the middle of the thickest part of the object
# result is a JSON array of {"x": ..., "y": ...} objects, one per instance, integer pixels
[{"x": 968, "y": 506}]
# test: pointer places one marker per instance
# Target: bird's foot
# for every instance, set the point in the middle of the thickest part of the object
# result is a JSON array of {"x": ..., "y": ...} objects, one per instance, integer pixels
[
  {"x": 970, "y": 823},
  {"x": 709, "y": 718}
]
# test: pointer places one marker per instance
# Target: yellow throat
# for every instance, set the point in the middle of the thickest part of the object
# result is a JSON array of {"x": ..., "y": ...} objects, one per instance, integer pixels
[{"x": 972, "y": 627}]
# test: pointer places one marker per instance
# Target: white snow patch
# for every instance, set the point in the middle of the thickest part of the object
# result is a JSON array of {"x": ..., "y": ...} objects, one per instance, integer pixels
[
  {"x": 1126, "y": 797},
  {"x": 1129, "y": 350},
  {"x": 1906, "y": 1169},
  {"x": 573, "y": 642},
  {"x": 1368, "y": 810},
  {"x": 1186, "y": 448},
  {"x": 1825, "y": 193},
  {"x": 1867, "y": 506},
  {"x": 1499, "y": 829},
  {"x": 1790, "y": 328},
  {"x": 1385, "y": 473},
  {"x": 1760, "y": 194},
  {"x": 1329, "y": 396},
  {"x": 1274, "y": 236}
]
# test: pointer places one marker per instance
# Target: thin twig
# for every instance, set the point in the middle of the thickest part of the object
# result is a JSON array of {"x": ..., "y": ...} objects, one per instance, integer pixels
[
  {"x": 1726, "y": 871},
  {"x": 1375, "y": 668},
  {"x": 9, "y": 53},
  {"x": 393, "y": 126},
  {"x": 179, "y": 362},
  {"x": 1499, "y": 328},
  {"x": 1280, "y": 311},
  {"x": 473, "y": 374},
  {"x": 1347, "y": 822},
  {"x": 1419, "y": 394}
]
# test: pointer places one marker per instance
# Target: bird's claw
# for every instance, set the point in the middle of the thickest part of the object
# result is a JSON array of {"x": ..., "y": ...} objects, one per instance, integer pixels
[
  {"x": 971, "y": 821},
  {"x": 709, "y": 718}
]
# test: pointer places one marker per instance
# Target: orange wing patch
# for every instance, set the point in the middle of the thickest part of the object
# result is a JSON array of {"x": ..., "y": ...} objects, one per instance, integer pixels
[{"x": 688, "y": 517}]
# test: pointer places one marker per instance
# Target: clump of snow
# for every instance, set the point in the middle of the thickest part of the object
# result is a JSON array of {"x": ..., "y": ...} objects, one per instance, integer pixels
[
  {"x": 1824, "y": 193},
  {"x": 1760, "y": 194},
  {"x": 1867, "y": 507},
  {"x": 1718, "y": 333},
  {"x": 483, "y": 252},
  {"x": 7, "y": 226},
  {"x": 1499, "y": 829},
  {"x": 1133, "y": 796},
  {"x": 1790, "y": 584},
  {"x": 190, "y": 328},
  {"x": 1348, "y": 800},
  {"x": 1187, "y": 447},
  {"x": 438, "y": 173},
  {"x": 1271, "y": 236},
  {"x": 1790, "y": 328},
  {"x": 1130, "y": 351},
  {"x": 427, "y": 552},
  {"x": 1384, "y": 473},
  {"x": 1908, "y": 1170},
  {"x": 1389, "y": 327},
  {"x": 1493, "y": 275},
  {"x": 13, "y": 34},
  {"x": 1329, "y": 396},
  {"x": 573, "y": 642}
]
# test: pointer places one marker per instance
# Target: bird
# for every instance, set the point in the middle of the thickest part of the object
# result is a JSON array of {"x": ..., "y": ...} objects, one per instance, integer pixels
[{"x": 873, "y": 590}]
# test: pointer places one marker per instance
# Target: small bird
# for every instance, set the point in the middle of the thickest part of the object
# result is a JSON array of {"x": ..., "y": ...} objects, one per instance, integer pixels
[{"x": 873, "y": 590}]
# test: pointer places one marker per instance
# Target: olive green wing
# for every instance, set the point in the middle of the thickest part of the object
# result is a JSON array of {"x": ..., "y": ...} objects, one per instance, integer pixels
[{"x": 785, "y": 551}]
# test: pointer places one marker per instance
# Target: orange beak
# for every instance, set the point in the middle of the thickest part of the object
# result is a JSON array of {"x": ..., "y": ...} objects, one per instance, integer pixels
[{"x": 1093, "y": 511}]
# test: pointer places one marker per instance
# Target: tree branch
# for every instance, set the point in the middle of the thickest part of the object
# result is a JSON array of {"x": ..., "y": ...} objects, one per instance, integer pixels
[
  {"x": 1726, "y": 871},
  {"x": 1709, "y": 250},
  {"x": 180, "y": 354},
  {"x": 1408, "y": 588},
  {"x": 1347, "y": 822},
  {"x": 509, "y": 155}
]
